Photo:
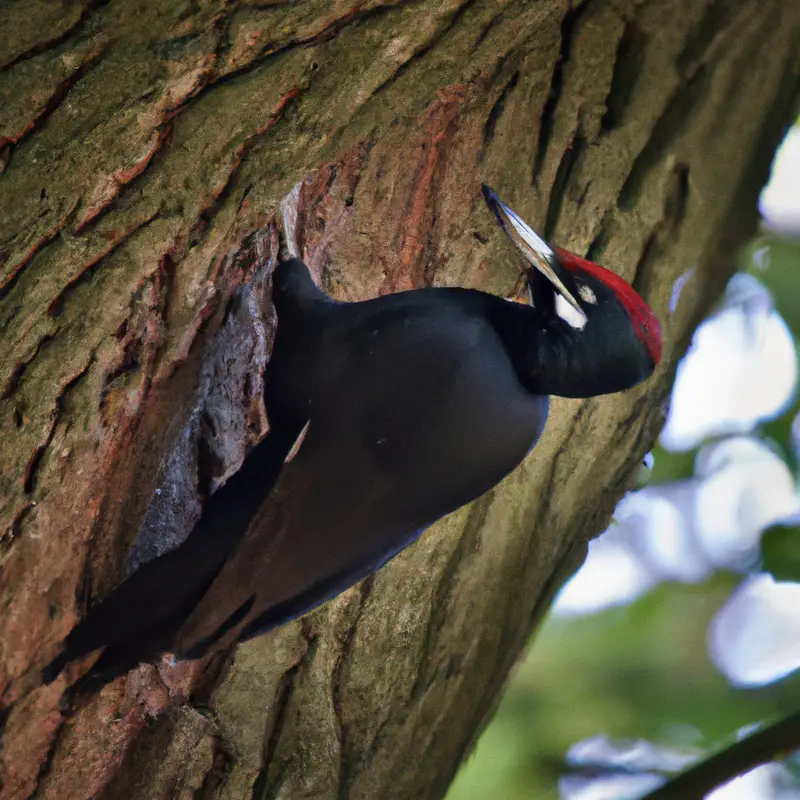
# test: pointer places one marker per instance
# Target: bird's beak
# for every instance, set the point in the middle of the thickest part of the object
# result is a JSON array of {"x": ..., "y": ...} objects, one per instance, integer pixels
[{"x": 535, "y": 250}]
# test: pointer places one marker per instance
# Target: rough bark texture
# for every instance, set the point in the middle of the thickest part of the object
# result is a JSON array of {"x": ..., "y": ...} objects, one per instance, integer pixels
[{"x": 144, "y": 150}]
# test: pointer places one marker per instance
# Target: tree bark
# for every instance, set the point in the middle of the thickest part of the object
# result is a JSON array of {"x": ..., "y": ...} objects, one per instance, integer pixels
[{"x": 144, "y": 151}]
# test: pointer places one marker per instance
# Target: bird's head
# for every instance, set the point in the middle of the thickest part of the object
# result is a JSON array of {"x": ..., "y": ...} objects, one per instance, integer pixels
[{"x": 612, "y": 338}]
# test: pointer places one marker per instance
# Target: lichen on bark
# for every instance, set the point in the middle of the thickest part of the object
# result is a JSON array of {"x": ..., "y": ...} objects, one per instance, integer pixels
[{"x": 144, "y": 151}]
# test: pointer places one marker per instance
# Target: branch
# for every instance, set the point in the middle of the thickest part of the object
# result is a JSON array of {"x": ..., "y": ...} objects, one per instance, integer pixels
[{"x": 768, "y": 744}]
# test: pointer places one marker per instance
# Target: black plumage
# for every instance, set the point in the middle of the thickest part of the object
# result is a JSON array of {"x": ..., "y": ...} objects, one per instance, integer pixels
[{"x": 403, "y": 408}]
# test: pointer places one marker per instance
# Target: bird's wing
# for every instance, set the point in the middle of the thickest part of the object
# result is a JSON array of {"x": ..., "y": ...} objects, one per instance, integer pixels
[{"x": 316, "y": 534}]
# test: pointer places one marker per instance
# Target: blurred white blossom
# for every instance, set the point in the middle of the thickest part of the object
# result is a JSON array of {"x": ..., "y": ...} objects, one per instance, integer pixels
[
  {"x": 780, "y": 200},
  {"x": 740, "y": 369},
  {"x": 686, "y": 529},
  {"x": 755, "y": 637}
]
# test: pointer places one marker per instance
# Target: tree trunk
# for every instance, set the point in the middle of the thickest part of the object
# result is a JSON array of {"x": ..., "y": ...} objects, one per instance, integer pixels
[{"x": 144, "y": 151}]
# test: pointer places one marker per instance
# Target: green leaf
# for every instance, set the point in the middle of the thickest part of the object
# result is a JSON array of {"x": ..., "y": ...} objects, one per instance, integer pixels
[{"x": 780, "y": 551}]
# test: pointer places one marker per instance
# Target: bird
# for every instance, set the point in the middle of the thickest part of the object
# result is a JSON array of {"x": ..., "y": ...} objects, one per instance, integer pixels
[{"x": 384, "y": 416}]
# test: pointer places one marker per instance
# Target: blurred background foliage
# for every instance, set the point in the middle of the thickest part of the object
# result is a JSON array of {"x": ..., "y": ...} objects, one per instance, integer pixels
[{"x": 681, "y": 633}]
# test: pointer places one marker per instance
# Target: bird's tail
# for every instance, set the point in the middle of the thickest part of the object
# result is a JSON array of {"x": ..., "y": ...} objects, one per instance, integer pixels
[{"x": 140, "y": 618}]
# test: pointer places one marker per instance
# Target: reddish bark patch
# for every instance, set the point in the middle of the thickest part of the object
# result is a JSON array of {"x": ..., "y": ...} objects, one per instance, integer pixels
[
  {"x": 27, "y": 739},
  {"x": 93, "y": 744},
  {"x": 405, "y": 269},
  {"x": 325, "y": 207}
]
